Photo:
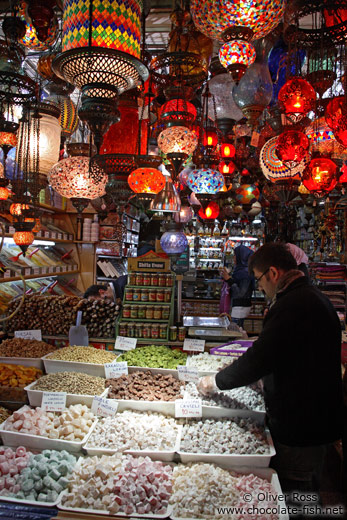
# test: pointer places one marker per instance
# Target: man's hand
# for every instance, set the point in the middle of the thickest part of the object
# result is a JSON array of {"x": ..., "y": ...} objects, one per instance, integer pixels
[
  {"x": 207, "y": 385},
  {"x": 225, "y": 274}
]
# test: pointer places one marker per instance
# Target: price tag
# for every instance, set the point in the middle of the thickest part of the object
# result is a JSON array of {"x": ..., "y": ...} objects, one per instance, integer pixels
[
  {"x": 43, "y": 270},
  {"x": 51, "y": 269},
  {"x": 53, "y": 234},
  {"x": 255, "y": 139},
  {"x": 60, "y": 236},
  {"x": 47, "y": 234},
  {"x": 115, "y": 370},
  {"x": 123, "y": 343},
  {"x": 188, "y": 408},
  {"x": 36, "y": 270},
  {"x": 194, "y": 345},
  {"x": 188, "y": 374},
  {"x": 11, "y": 230},
  {"x": 27, "y": 271},
  {"x": 104, "y": 407},
  {"x": 53, "y": 401},
  {"x": 29, "y": 334},
  {"x": 7, "y": 273}
]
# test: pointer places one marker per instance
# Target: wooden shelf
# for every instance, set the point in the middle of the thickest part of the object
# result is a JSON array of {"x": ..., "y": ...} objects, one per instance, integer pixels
[
  {"x": 60, "y": 240},
  {"x": 32, "y": 276}
]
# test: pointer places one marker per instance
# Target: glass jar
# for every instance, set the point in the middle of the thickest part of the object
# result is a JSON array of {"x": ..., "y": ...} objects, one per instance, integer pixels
[
  {"x": 173, "y": 333},
  {"x": 157, "y": 313},
  {"x": 154, "y": 279},
  {"x": 139, "y": 279},
  {"x": 162, "y": 331},
  {"x": 141, "y": 314},
  {"x": 144, "y": 295},
  {"x": 146, "y": 279},
  {"x": 132, "y": 278},
  {"x": 134, "y": 312},
  {"x": 146, "y": 331},
  {"x": 152, "y": 295},
  {"x": 126, "y": 311},
  {"x": 123, "y": 329},
  {"x": 139, "y": 330},
  {"x": 160, "y": 295},
  {"x": 137, "y": 295},
  {"x": 129, "y": 293},
  {"x": 169, "y": 280},
  {"x": 155, "y": 331},
  {"x": 167, "y": 295},
  {"x": 131, "y": 330},
  {"x": 181, "y": 333},
  {"x": 149, "y": 312},
  {"x": 165, "y": 313},
  {"x": 161, "y": 280}
]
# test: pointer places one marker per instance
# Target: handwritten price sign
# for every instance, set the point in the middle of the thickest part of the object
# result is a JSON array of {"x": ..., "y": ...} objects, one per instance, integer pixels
[
  {"x": 28, "y": 334},
  {"x": 188, "y": 374},
  {"x": 194, "y": 345},
  {"x": 115, "y": 370},
  {"x": 53, "y": 401},
  {"x": 188, "y": 408},
  {"x": 123, "y": 343},
  {"x": 104, "y": 407}
]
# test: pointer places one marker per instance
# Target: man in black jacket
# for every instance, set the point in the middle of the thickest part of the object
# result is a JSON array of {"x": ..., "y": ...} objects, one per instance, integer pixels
[{"x": 298, "y": 356}]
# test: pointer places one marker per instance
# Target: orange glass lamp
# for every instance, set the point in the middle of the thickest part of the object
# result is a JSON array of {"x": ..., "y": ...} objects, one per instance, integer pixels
[
  {"x": 297, "y": 97},
  {"x": 23, "y": 235},
  {"x": 320, "y": 175},
  {"x": 17, "y": 208},
  {"x": 146, "y": 180},
  {"x": 211, "y": 212},
  {"x": 4, "y": 193}
]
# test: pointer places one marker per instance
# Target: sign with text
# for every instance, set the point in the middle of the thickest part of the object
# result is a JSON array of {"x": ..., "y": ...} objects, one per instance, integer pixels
[
  {"x": 151, "y": 262},
  {"x": 188, "y": 408},
  {"x": 194, "y": 345},
  {"x": 53, "y": 401},
  {"x": 123, "y": 343},
  {"x": 104, "y": 407},
  {"x": 29, "y": 334},
  {"x": 115, "y": 370},
  {"x": 188, "y": 374}
]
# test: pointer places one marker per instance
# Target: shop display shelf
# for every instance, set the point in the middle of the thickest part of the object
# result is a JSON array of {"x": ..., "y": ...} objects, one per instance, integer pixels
[
  {"x": 144, "y": 320},
  {"x": 35, "y": 397},
  {"x": 25, "y": 362},
  {"x": 137, "y": 302}
]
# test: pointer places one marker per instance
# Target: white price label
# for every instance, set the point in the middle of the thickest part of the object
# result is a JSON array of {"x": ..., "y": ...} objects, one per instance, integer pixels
[
  {"x": 123, "y": 343},
  {"x": 115, "y": 370},
  {"x": 29, "y": 334},
  {"x": 51, "y": 269},
  {"x": 188, "y": 374},
  {"x": 188, "y": 408},
  {"x": 53, "y": 401},
  {"x": 104, "y": 407},
  {"x": 60, "y": 236},
  {"x": 27, "y": 272},
  {"x": 194, "y": 345},
  {"x": 47, "y": 234},
  {"x": 36, "y": 270},
  {"x": 44, "y": 270},
  {"x": 11, "y": 230},
  {"x": 7, "y": 273}
]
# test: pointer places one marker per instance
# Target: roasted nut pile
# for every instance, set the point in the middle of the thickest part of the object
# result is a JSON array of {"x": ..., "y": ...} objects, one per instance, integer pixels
[
  {"x": 237, "y": 436},
  {"x": 71, "y": 383},
  {"x": 130, "y": 430},
  {"x": 83, "y": 355},
  {"x": 17, "y": 375},
  {"x": 27, "y": 348},
  {"x": 54, "y": 315},
  {"x": 4, "y": 414},
  {"x": 154, "y": 356},
  {"x": 145, "y": 386}
]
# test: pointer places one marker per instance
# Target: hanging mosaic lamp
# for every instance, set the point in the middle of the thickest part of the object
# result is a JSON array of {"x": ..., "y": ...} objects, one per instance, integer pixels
[
  {"x": 16, "y": 208},
  {"x": 336, "y": 118},
  {"x": 146, "y": 180},
  {"x": 23, "y": 235},
  {"x": 236, "y": 56},
  {"x": 320, "y": 175},
  {"x": 291, "y": 147},
  {"x": 211, "y": 211},
  {"x": 247, "y": 194},
  {"x": 177, "y": 139},
  {"x": 68, "y": 118},
  {"x": 321, "y": 137},
  {"x": 34, "y": 39},
  {"x": 205, "y": 180},
  {"x": 174, "y": 242},
  {"x": 297, "y": 97},
  {"x": 273, "y": 168}
]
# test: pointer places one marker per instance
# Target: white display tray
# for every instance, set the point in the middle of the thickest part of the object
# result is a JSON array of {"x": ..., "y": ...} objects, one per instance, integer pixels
[
  {"x": 52, "y": 366},
  {"x": 165, "y": 456},
  {"x": 267, "y": 474},
  {"x": 36, "y": 442},
  {"x": 26, "y": 362},
  {"x": 166, "y": 371},
  {"x": 35, "y": 397}
]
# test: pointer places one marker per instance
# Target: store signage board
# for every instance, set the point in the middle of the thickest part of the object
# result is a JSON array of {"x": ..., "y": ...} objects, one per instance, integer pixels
[
  {"x": 194, "y": 345},
  {"x": 123, "y": 343},
  {"x": 150, "y": 262},
  {"x": 29, "y": 334},
  {"x": 188, "y": 408},
  {"x": 188, "y": 374},
  {"x": 104, "y": 407},
  {"x": 53, "y": 401},
  {"x": 115, "y": 370},
  {"x": 180, "y": 265}
]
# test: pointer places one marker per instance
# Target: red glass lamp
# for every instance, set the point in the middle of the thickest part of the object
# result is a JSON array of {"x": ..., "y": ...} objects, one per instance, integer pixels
[
  {"x": 226, "y": 167},
  {"x": 227, "y": 150},
  {"x": 210, "y": 137},
  {"x": 211, "y": 212},
  {"x": 320, "y": 175},
  {"x": 336, "y": 118},
  {"x": 177, "y": 110},
  {"x": 292, "y": 147},
  {"x": 146, "y": 180},
  {"x": 297, "y": 97}
]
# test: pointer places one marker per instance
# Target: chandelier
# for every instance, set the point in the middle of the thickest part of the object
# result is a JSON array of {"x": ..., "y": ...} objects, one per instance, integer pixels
[{"x": 297, "y": 97}]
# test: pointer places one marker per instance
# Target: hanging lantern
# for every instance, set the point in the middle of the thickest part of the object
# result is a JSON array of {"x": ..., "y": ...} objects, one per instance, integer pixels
[
  {"x": 273, "y": 168},
  {"x": 221, "y": 101},
  {"x": 17, "y": 208},
  {"x": 185, "y": 215},
  {"x": 205, "y": 180},
  {"x": 247, "y": 194},
  {"x": 32, "y": 39},
  {"x": 68, "y": 118},
  {"x": 8, "y": 138},
  {"x": 23, "y": 238},
  {"x": 174, "y": 242},
  {"x": 4, "y": 193},
  {"x": 227, "y": 150},
  {"x": 297, "y": 97},
  {"x": 146, "y": 180},
  {"x": 211, "y": 212},
  {"x": 322, "y": 138},
  {"x": 343, "y": 175},
  {"x": 167, "y": 200},
  {"x": 210, "y": 138},
  {"x": 320, "y": 175},
  {"x": 226, "y": 168},
  {"x": 292, "y": 147},
  {"x": 177, "y": 139},
  {"x": 336, "y": 118},
  {"x": 72, "y": 178},
  {"x": 177, "y": 110},
  {"x": 236, "y": 56}
]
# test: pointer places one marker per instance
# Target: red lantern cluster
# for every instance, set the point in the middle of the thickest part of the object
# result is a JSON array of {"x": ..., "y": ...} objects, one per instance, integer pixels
[
  {"x": 292, "y": 147},
  {"x": 320, "y": 175},
  {"x": 297, "y": 97},
  {"x": 211, "y": 212},
  {"x": 336, "y": 118}
]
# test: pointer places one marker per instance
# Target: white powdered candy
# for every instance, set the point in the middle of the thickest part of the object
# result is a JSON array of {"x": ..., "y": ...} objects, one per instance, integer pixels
[
  {"x": 206, "y": 362},
  {"x": 243, "y": 398}
]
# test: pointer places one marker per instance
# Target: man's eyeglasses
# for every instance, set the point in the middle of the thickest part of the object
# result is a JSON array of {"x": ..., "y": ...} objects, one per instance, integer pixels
[{"x": 257, "y": 280}]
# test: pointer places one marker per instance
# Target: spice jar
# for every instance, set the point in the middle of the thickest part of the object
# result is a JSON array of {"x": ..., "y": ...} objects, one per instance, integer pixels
[
  {"x": 123, "y": 329},
  {"x": 146, "y": 279},
  {"x": 157, "y": 313},
  {"x": 155, "y": 331},
  {"x": 149, "y": 312},
  {"x": 134, "y": 311},
  {"x": 126, "y": 311},
  {"x": 167, "y": 295},
  {"x": 139, "y": 330},
  {"x": 173, "y": 333},
  {"x": 152, "y": 295},
  {"x": 129, "y": 293},
  {"x": 132, "y": 278},
  {"x": 139, "y": 279},
  {"x": 165, "y": 312},
  {"x": 131, "y": 330},
  {"x": 146, "y": 331},
  {"x": 160, "y": 295},
  {"x": 168, "y": 280},
  {"x": 161, "y": 280},
  {"x": 141, "y": 313},
  {"x": 137, "y": 295},
  {"x": 162, "y": 331},
  {"x": 181, "y": 333},
  {"x": 154, "y": 279},
  {"x": 144, "y": 295}
]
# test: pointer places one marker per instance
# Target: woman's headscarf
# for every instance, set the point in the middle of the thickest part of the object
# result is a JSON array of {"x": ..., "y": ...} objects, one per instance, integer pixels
[
  {"x": 242, "y": 254},
  {"x": 299, "y": 255}
]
